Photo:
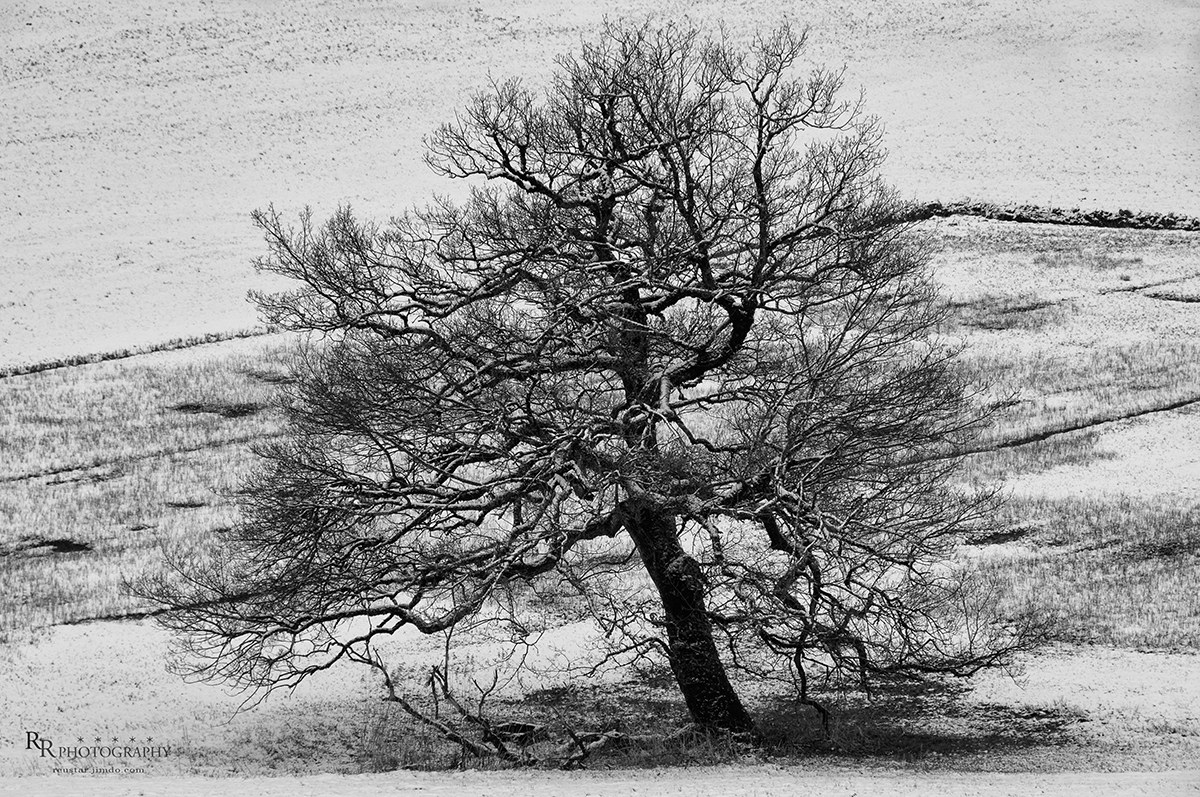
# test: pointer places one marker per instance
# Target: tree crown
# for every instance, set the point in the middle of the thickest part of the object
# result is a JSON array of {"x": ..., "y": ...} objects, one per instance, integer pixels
[{"x": 677, "y": 328}]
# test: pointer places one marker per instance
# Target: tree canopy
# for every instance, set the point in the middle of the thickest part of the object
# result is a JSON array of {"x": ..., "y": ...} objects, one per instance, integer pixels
[{"x": 676, "y": 354}]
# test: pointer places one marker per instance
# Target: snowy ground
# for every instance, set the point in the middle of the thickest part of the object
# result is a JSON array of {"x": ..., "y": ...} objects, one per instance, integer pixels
[
  {"x": 748, "y": 781},
  {"x": 107, "y": 680},
  {"x": 138, "y": 136}
]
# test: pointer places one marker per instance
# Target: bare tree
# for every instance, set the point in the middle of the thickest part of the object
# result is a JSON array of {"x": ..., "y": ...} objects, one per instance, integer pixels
[{"x": 676, "y": 352}]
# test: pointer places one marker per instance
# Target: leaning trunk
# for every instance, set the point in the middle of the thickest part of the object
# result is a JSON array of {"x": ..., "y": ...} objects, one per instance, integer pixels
[{"x": 692, "y": 652}]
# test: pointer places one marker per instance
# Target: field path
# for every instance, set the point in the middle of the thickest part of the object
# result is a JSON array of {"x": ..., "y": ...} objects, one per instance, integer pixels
[{"x": 749, "y": 781}]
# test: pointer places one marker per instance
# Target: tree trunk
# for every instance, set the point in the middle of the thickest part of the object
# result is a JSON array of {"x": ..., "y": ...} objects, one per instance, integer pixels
[{"x": 693, "y": 653}]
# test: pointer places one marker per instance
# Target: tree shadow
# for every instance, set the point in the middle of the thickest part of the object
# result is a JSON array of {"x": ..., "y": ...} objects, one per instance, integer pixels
[
  {"x": 923, "y": 723},
  {"x": 912, "y": 721}
]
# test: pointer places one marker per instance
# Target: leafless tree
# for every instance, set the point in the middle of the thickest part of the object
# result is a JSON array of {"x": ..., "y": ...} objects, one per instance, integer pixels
[{"x": 676, "y": 352}]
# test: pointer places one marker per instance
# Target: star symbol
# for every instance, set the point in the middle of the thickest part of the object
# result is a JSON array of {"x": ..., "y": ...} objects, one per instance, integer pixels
[
  {"x": 98, "y": 740},
  {"x": 132, "y": 740},
  {"x": 148, "y": 740},
  {"x": 79, "y": 739},
  {"x": 115, "y": 740}
]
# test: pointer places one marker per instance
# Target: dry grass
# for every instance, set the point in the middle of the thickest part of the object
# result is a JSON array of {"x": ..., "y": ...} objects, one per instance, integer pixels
[
  {"x": 1066, "y": 387},
  {"x": 1024, "y": 311},
  {"x": 103, "y": 467},
  {"x": 69, "y": 546},
  {"x": 109, "y": 412},
  {"x": 1119, "y": 572}
]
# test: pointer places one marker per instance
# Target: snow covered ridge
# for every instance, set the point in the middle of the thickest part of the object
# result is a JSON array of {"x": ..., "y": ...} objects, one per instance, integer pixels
[
  {"x": 121, "y": 354},
  {"x": 920, "y": 212},
  {"x": 1041, "y": 215}
]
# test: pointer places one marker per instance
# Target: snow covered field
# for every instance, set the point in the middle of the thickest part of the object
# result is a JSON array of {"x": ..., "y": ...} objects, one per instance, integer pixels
[{"x": 138, "y": 136}]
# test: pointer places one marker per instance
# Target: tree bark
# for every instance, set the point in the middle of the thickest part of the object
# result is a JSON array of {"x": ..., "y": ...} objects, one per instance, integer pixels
[{"x": 692, "y": 652}]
